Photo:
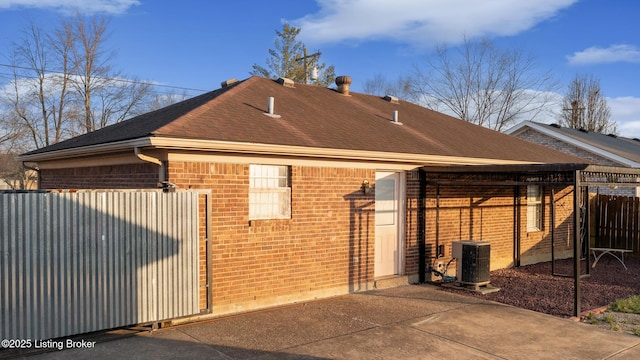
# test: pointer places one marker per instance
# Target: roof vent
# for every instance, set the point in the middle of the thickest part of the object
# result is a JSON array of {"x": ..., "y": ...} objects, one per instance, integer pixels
[
  {"x": 583, "y": 130},
  {"x": 286, "y": 82},
  {"x": 391, "y": 99},
  {"x": 343, "y": 82},
  {"x": 271, "y": 108},
  {"x": 229, "y": 82},
  {"x": 612, "y": 135},
  {"x": 555, "y": 125},
  {"x": 636, "y": 139},
  {"x": 395, "y": 118}
]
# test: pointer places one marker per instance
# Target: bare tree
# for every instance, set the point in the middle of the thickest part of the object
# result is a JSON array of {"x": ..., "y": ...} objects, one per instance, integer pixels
[
  {"x": 63, "y": 84},
  {"x": 105, "y": 94},
  {"x": 38, "y": 96},
  {"x": 13, "y": 174},
  {"x": 483, "y": 84},
  {"x": 288, "y": 59},
  {"x": 159, "y": 101},
  {"x": 379, "y": 85},
  {"x": 584, "y": 107}
]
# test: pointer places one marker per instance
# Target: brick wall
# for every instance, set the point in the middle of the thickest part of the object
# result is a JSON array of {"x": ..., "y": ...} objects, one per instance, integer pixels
[
  {"x": 131, "y": 176},
  {"x": 553, "y": 143},
  {"x": 535, "y": 246},
  {"x": 412, "y": 236},
  {"x": 485, "y": 214},
  {"x": 325, "y": 249},
  {"x": 202, "y": 250}
]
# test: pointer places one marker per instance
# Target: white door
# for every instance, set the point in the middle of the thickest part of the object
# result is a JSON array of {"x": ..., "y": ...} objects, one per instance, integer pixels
[{"x": 387, "y": 255}]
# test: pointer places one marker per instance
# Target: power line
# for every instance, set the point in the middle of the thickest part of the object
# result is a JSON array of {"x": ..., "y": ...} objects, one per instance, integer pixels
[
  {"x": 111, "y": 79},
  {"x": 153, "y": 89}
]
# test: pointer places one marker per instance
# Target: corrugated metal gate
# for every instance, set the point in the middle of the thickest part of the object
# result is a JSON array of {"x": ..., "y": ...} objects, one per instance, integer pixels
[{"x": 73, "y": 263}]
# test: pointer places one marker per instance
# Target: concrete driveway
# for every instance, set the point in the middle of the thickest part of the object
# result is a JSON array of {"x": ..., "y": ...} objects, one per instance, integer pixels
[{"x": 406, "y": 322}]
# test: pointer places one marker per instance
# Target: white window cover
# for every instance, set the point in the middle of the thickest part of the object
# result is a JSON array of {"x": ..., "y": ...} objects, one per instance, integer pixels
[{"x": 269, "y": 192}]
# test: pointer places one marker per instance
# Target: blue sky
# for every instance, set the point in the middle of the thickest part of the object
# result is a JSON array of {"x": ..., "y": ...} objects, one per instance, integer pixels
[{"x": 198, "y": 44}]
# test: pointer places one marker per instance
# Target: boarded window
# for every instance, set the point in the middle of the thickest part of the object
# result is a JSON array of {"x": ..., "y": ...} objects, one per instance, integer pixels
[{"x": 269, "y": 192}]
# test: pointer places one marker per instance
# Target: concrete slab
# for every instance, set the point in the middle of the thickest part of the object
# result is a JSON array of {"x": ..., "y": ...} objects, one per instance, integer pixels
[
  {"x": 513, "y": 333},
  {"x": 273, "y": 330},
  {"x": 412, "y": 322},
  {"x": 632, "y": 353},
  {"x": 390, "y": 342}
]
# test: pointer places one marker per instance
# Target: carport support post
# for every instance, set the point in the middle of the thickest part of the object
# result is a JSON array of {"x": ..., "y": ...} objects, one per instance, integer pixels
[
  {"x": 422, "y": 233},
  {"x": 576, "y": 243},
  {"x": 552, "y": 221}
]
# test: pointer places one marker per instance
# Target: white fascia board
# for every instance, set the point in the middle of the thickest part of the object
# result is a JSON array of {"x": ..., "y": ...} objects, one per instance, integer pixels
[
  {"x": 314, "y": 152},
  {"x": 87, "y": 150},
  {"x": 567, "y": 139},
  {"x": 515, "y": 129},
  {"x": 261, "y": 149}
]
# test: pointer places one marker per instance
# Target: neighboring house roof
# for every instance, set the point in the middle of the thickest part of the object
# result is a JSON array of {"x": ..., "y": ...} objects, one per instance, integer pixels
[
  {"x": 311, "y": 117},
  {"x": 624, "y": 151}
]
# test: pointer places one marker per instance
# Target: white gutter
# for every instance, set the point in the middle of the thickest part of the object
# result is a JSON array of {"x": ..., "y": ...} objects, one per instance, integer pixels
[
  {"x": 259, "y": 149},
  {"x": 125, "y": 145},
  {"x": 151, "y": 159},
  {"x": 146, "y": 158},
  {"x": 290, "y": 150}
]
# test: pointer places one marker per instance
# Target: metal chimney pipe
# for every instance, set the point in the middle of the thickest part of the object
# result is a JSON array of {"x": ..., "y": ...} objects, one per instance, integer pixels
[
  {"x": 395, "y": 116},
  {"x": 271, "y": 105}
]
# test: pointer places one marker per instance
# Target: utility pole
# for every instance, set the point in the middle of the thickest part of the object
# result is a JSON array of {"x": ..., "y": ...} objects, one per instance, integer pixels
[
  {"x": 306, "y": 68},
  {"x": 576, "y": 116}
]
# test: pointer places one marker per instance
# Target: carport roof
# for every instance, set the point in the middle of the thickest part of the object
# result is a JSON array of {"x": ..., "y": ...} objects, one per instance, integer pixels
[{"x": 517, "y": 174}]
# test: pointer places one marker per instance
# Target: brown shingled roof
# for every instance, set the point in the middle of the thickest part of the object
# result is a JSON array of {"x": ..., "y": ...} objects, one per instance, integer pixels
[{"x": 312, "y": 116}]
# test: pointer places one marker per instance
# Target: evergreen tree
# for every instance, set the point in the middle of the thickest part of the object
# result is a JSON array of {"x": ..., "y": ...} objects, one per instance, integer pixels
[{"x": 287, "y": 60}]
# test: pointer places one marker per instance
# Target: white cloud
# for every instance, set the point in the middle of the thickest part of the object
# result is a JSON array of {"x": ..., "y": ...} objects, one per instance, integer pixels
[
  {"x": 71, "y": 6},
  {"x": 614, "y": 53},
  {"x": 626, "y": 112},
  {"x": 424, "y": 22}
]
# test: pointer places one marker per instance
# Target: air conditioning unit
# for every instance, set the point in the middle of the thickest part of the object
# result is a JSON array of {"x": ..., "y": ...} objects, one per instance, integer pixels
[{"x": 473, "y": 262}]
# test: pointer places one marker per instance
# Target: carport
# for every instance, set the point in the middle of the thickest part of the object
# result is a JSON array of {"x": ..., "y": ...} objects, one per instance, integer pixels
[{"x": 580, "y": 177}]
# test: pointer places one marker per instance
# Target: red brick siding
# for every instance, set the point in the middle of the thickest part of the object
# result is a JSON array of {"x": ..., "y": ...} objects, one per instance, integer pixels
[
  {"x": 412, "y": 237},
  {"x": 327, "y": 243},
  {"x": 132, "y": 176},
  {"x": 536, "y": 246},
  {"x": 202, "y": 250},
  {"x": 483, "y": 214}
]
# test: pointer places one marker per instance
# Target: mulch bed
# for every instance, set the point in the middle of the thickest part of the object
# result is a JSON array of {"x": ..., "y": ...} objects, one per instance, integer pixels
[{"x": 534, "y": 287}]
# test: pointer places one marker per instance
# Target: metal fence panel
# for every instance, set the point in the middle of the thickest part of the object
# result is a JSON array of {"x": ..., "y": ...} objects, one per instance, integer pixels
[
  {"x": 72, "y": 263},
  {"x": 617, "y": 222}
]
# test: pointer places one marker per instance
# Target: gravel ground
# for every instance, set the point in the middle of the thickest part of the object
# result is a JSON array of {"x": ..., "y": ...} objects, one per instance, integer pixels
[
  {"x": 534, "y": 287},
  {"x": 623, "y": 322}
]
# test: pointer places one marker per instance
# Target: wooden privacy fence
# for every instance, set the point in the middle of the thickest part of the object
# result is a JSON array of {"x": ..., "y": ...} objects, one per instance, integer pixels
[
  {"x": 617, "y": 220},
  {"x": 73, "y": 263}
]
